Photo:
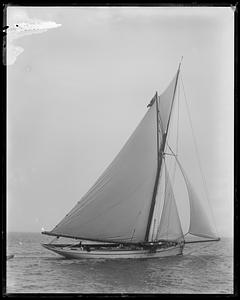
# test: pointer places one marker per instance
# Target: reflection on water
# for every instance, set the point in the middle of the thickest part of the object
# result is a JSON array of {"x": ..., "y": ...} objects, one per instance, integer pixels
[{"x": 202, "y": 269}]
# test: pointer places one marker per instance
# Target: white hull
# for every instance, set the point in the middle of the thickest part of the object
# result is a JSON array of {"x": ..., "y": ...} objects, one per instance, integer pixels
[{"x": 78, "y": 253}]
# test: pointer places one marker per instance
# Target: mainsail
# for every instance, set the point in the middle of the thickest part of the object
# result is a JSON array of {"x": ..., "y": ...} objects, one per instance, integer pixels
[{"x": 116, "y": 208}]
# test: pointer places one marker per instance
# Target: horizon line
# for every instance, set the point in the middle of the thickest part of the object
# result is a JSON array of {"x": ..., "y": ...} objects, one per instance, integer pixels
[{"x": 13, "y": 231}]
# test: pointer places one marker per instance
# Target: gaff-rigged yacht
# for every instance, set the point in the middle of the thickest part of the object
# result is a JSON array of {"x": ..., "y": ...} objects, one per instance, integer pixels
[{"x": 131, "y": 210}]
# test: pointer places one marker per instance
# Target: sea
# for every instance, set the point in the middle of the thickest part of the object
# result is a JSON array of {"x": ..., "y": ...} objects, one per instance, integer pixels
[{"x": 204, "y": 268}]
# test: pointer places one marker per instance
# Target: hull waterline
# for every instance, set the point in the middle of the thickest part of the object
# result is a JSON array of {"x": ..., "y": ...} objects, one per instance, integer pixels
[{"x": 69, "y": 252}]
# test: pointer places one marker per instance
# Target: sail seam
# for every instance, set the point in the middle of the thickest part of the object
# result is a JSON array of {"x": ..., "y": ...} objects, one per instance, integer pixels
[{"x": 168, "y": 183}]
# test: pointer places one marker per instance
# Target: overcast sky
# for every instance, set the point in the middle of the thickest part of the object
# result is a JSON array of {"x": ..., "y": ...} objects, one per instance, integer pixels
[{"x": 77, "y": 91}]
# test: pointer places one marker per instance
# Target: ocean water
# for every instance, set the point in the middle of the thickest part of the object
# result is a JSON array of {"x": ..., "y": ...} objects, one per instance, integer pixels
[{"x": 204, "y": 268}]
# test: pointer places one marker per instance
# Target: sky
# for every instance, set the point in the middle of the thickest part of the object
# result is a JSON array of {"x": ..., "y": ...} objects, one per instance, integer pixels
[{"x": 77, "y": 90}]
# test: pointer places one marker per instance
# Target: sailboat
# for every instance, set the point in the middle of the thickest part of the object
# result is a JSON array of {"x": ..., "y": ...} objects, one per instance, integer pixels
[{"x": 131, "y": 210}]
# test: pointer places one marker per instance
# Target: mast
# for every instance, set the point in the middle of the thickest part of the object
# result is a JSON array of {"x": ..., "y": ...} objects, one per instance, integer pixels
[
  {"x": 160, "y": 152},
  {"x": 157, "y": 175}
]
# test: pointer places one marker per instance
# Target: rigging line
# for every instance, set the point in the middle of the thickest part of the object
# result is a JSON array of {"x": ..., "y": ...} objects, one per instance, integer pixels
[
  {"x": 176, "y": 160},
  {"x": 154, "y": 223},
  {"x": 197, "y": 154},
  {"x": 159, "y": 116},
  {"x": 54, "y": 239},
  {"x": 174, "y": 172},
  {"x": 178, "y": 119},
  {"x": 174, "y": 166},
  {"x": 173, "y": 154},
  {"x": 177, "y": 137},
  {"x": 136, "y": 220},
  {"x": 168, "y": 184},
  {"x": 133, "y": 234},
  {"x": 164, "y": 192}
]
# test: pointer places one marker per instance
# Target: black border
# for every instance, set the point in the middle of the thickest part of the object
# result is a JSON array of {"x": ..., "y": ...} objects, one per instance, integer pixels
[{"x": 235, "y": 6}]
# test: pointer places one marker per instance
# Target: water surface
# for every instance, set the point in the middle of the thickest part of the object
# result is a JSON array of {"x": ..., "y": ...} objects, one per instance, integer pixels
[{"x": 204, "y": 268}]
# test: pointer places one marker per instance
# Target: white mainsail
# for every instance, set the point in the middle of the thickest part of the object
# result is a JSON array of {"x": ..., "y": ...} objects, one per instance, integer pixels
[{"x": 116, "y": 208}]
